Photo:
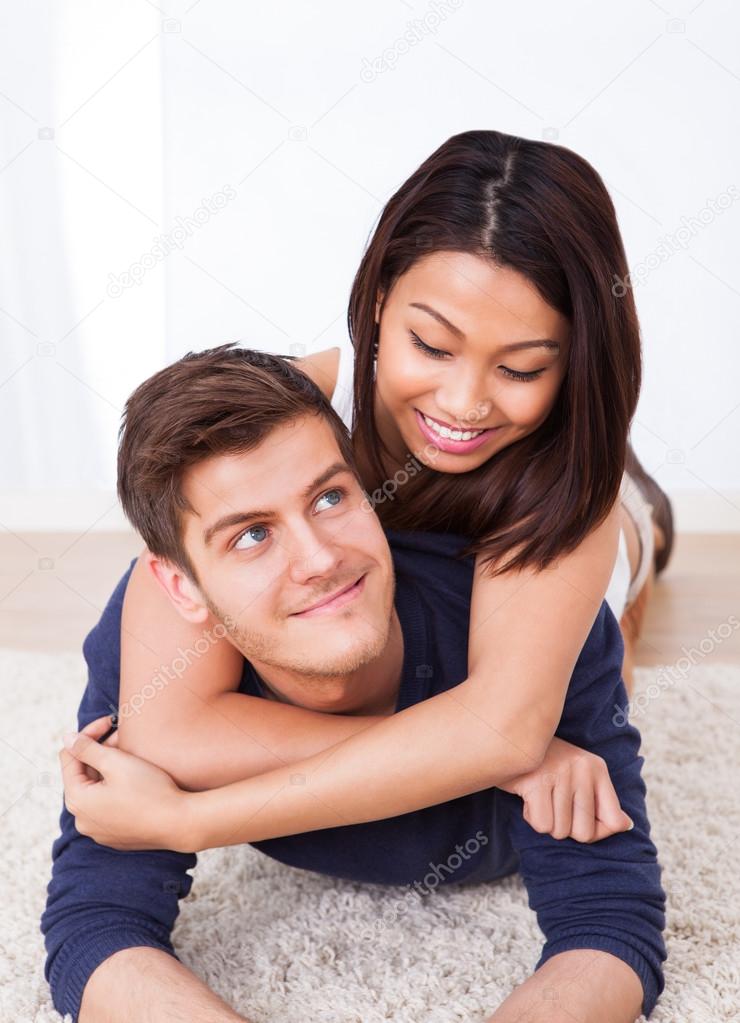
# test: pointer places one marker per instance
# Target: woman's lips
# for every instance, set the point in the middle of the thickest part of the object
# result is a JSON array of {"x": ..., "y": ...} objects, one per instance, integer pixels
[
  {"x": 330, "y": 604},
  {"x": 455, "y": 447}
]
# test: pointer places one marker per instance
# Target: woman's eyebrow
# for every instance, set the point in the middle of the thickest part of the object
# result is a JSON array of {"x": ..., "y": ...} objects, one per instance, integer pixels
[
  {"x": 541, "y": 342},
  {"x": 439, "y": 318},
  {"x": 515, "y": 346}
]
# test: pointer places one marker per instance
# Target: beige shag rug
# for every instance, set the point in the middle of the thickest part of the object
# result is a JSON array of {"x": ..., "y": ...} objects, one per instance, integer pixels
[{"x": 283, "y": 946}]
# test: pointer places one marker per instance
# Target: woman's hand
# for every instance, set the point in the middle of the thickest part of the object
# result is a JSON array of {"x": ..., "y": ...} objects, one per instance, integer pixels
[
  {"x": 118, "y": 799},
  {"x": 570, "y": 795}
]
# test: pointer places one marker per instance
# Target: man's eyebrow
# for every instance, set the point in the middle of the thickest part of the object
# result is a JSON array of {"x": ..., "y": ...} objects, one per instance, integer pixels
[
  {"x": 236, "y": 518},
  {"x": 515, "y": 346}
]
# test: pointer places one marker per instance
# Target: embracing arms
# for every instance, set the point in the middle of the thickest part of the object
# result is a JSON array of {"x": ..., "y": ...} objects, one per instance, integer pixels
[
  {"x": 178, "y": 704},
  {"x": 527, "y": 630}
]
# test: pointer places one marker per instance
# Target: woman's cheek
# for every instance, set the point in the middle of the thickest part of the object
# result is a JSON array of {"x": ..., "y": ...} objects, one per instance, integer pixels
[
  {"x": 527, "y": 405},
  {"x": 399, "y": 380}
]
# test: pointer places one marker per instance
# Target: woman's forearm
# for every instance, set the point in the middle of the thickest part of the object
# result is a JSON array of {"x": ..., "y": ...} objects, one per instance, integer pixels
[
  {"x": 402, "y": 763},
  {"x": 237, "y": 737},
  {"x": 179, "y": 704}
]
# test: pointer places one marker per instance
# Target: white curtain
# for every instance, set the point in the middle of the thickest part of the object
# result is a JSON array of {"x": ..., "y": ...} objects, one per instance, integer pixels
[{"x": 80, "y": 199}]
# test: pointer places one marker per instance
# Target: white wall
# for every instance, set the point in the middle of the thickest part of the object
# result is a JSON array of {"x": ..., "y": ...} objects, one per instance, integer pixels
[{"x": 299, "y": 120}]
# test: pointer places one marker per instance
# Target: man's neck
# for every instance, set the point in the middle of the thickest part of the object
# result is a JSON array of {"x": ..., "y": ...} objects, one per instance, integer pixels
[{"x": 370, "y": 690}]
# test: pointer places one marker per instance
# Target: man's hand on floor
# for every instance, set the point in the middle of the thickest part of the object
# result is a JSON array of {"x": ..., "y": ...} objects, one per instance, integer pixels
[{"x": 120, "y": 800}]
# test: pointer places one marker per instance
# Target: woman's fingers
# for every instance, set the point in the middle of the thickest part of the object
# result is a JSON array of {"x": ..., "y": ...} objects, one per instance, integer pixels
[
  {"x": 73, "y": 770},
  {"x": 562, "y": 806},
  {"x": 538, "y": 804},
  {"x": 584, "y": 814},
  {"x": 95, "y": 729},
  {"x": 608, "y": 809},
  {"x": 579, "y": 803},
  {"x": 74, "y": 778}
]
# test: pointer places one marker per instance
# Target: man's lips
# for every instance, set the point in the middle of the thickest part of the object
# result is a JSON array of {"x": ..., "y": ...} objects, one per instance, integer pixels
[{"x": 334, "y": 600}]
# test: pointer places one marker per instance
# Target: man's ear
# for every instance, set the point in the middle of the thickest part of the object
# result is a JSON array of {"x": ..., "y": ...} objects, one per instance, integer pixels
[{"x": 180, "y": 588}]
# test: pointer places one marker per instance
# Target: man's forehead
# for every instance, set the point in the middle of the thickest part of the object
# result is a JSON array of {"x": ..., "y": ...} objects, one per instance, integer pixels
[
  {"x": 231, "y": 490},
  {"x": 274, "y": 469},
  {"x": 217, "y": 483}
]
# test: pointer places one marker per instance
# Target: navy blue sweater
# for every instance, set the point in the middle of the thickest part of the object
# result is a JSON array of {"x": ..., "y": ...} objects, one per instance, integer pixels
[{"x": 605, "y": 895}]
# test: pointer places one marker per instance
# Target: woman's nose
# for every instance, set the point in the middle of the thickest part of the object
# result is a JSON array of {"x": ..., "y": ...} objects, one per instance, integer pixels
[{"x": 463, "y": 404}]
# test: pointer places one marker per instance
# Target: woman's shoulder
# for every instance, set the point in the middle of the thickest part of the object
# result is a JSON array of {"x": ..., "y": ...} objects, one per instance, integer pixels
[
  {"x": 333, "y": 371},
  {"x": 323, "y": 368}
]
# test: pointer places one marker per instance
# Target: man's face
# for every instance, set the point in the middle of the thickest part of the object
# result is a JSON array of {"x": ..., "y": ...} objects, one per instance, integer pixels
[{"x": 287, "y": 558}]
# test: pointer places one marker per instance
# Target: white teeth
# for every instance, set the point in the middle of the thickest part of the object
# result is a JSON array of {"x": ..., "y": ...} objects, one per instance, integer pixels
[{"x": 448, "y": 434}]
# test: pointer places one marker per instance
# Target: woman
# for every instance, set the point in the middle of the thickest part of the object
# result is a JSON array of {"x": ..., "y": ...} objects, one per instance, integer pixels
[{"x": 495, "y": 378}]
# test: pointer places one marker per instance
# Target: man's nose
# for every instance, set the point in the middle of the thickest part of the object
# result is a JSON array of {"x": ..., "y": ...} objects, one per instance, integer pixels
[{"x": 312, "y": 553}]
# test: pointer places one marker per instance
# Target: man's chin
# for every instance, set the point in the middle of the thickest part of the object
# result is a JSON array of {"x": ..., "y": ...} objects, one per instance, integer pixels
[{"x": 321, "y": 660}]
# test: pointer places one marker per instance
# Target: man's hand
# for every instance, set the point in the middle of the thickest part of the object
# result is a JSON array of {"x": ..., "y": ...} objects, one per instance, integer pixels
[
  {"x": 570, "y": 795},
  {"x": 120, "y": 800}
]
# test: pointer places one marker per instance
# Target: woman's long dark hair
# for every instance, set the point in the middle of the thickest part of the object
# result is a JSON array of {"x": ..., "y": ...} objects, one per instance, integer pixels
[{"x": 544, "y": 211}]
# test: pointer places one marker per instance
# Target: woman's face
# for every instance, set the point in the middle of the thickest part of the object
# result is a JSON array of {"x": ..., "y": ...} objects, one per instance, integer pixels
[{"x": 470, "y": 359}]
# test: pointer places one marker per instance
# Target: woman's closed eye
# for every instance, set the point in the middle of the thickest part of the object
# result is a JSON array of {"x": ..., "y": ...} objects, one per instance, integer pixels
[
  {"x": 435, "y": 353},
  {"x": 515, "y": 374},
  {"x": 438, "y": 353}
]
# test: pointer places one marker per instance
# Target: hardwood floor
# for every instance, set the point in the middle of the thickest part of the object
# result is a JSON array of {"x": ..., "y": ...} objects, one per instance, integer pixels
[{"x": 54, "y": 586}]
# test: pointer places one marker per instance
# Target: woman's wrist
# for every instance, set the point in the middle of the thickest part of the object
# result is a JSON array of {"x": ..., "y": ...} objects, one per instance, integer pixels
[{"x": 189, "y": 828}]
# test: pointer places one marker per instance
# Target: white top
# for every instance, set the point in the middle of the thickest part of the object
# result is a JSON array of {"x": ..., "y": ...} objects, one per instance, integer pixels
[{"x": 342, "y": 399}]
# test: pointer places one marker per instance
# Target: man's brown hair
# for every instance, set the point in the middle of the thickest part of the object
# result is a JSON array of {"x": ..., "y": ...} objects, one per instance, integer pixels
[{"x": 221, "y": 401}]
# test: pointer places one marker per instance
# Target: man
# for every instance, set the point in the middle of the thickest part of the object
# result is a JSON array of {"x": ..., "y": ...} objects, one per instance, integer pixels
[{"x": 324, "y": 629}]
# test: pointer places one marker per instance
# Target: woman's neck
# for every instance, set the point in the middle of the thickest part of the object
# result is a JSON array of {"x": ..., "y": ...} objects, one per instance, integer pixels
[{"x": 393, "y": 452}]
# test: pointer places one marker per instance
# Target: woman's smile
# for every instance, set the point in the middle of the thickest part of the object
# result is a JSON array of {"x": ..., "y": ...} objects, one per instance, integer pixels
[{"x": 449, "y": 438}]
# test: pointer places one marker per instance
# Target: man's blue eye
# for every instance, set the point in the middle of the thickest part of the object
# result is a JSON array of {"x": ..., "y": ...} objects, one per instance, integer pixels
[
  {"x": 255, "y": 533},
  {"x": 332, "y": 496}
]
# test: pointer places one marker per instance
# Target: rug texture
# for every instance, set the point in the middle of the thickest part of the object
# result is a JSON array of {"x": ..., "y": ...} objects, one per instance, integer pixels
[{"x": 283, "y": 946}]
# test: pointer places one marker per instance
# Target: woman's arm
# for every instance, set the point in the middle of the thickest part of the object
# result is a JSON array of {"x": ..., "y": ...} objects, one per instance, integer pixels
[
  {"x": 178, "y": 705},
  {"x": 527, "y": 630}
]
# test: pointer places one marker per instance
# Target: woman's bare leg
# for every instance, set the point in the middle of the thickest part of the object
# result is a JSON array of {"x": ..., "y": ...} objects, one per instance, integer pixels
[
  {"x": 633, "y": 617},
  {"x": 644, "y": 505}
]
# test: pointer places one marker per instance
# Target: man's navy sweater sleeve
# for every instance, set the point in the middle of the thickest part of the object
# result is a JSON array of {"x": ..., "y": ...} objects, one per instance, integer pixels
[
  {"x": 604, "y": 895},
  {"x": 102, "y": 900}
]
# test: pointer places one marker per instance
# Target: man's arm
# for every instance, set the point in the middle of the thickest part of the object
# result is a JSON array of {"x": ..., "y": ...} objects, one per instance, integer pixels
[
  {"x": 99, "y": 900},
  {"x": 605, "y": 896}
]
